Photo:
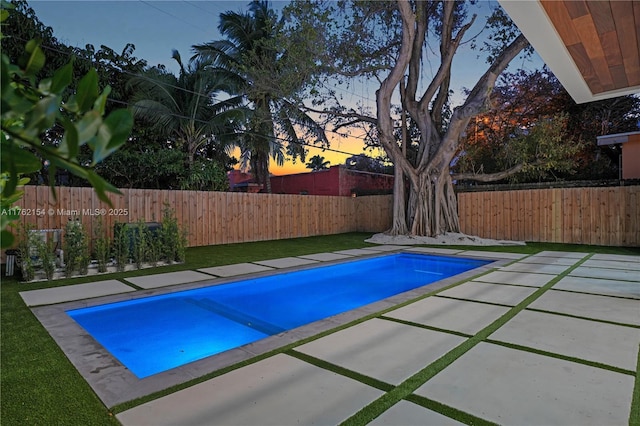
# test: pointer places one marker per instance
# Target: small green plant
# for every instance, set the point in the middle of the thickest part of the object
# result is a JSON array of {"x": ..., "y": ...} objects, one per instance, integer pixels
[
  {"x": 121, "y": 246},
  {"x": 46, "y": 255},
  {"x": 25, "y": 245},
  {"x": 101, "y": 245},
  {"x": 76, "y": 248},
  {"x": 140, "y": 243},
  {"x": 173, "y": 238},
  {"x": 181, "y": 248},
  {"x": 154, "y": 251}
]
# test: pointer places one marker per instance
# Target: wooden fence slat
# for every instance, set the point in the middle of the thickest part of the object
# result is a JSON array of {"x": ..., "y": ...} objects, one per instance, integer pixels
[
  {"x": 567, "y": 215},
  {"x": 601, "y": 216}
]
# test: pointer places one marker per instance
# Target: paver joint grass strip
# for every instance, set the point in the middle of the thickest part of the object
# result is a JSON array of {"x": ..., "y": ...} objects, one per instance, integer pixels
[
  {"x": 563, "y": 357},
  {"x": 426, "y": 327},
  {"x": 484, "y": 302},
  {"x": 564, "y": 314},
  {"x": 466, "y": 418},
  {"x": 378, "y": 384},
  {"x": 138, "y": 401},
  {"x": 634, "y": 416},
  {"x": 30, "y": 355},
  {"x": 565, "y": 290},
  {"x": 404, "y": 389}
]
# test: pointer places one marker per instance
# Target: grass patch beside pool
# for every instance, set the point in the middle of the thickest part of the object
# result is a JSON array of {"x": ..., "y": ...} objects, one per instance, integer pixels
[
  {"x": 39, "y": 386},
  {"x": 406, "y": 388}
]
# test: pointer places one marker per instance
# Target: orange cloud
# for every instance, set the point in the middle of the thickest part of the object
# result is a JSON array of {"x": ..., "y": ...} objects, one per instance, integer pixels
[{"x": 348, "y": 146}]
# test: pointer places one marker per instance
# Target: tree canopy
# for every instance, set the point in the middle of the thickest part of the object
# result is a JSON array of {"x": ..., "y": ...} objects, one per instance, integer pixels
[
  {"x": 395, "y": 43},
  {"x": 275, "y": 126},
  {"x": 32, "y": 105},
  {"x": 523, "y": 103},
  {"x": 317, "y": 163}
]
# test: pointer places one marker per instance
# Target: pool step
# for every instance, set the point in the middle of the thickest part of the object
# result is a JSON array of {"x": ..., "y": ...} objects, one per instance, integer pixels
[{"x": 237, "y": 316}]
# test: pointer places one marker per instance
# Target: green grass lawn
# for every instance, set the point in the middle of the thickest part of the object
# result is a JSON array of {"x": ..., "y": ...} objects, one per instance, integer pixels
[{"x": 39, "y": 386}]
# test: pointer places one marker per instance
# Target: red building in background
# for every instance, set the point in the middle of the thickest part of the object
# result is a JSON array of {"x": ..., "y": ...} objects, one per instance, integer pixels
[
  {"x": 630, "y": 157},
  {"x": 337, "y": 180},
  {"x": 240, "y": 181}
]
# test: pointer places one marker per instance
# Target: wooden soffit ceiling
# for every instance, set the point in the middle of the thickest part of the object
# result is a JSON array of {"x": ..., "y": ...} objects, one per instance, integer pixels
[{"x": 593, "y": 47}]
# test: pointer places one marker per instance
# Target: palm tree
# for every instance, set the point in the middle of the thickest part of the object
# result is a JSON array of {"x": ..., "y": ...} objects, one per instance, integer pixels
[
  {"x": 317, "y": 163},
  {"x": 250, "y": 52},
  {"x": 185, "y": 107}
]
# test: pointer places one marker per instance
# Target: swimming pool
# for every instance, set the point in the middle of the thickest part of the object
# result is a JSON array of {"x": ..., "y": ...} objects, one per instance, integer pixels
[{"x": 157, "y": 333}]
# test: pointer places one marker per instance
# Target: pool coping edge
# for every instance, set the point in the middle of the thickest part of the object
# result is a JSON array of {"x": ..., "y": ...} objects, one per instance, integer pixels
[{"x": 114, "y": 384}]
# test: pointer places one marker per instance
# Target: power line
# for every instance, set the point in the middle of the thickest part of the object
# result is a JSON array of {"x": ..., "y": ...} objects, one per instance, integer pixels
[
  {"x": 299, "y": 142},
  {"x": 173, "y": 16},
  {"x": 166, "y": 84},
  {"x": 342, "y": 135},
  {"x": 190, "y": 3}
]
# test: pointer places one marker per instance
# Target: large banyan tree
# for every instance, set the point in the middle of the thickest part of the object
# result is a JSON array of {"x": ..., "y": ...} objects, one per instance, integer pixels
[{"x": 407, "y": 48}]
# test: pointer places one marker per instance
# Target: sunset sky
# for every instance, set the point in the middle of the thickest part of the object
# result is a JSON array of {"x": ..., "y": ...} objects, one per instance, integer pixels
[{"x": 157, "y": 27}]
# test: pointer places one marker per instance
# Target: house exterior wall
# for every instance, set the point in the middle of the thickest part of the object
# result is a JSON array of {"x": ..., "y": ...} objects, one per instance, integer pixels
[
  {"x": 337, "y": 180},
  {"x": 323, "y": 182},
  {"x": 631, "y": 158},
  {"x": 242, "y": 182},
  {"x": 364, "y": 183}
]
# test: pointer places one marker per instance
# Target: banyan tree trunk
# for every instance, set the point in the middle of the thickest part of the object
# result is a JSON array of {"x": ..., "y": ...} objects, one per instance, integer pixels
[
  {"x": 433, "y": 207},
  {"x": 399, "y": 225}
]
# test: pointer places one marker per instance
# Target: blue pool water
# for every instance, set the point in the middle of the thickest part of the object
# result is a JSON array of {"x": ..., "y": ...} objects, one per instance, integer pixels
[{"x": 153, "y": 334}]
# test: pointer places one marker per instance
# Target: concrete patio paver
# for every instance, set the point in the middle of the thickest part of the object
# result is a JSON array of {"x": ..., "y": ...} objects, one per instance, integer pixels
[
  {"x": 280, "y": 390},
  {"x": 444, "y": 313},
  {"x": 613, "y": 264},
  {"x": 493, "y": 293},
  {"x": 285, "y": 262},
  {"x": 491, "y": 255},
  {"x": 513, "y": 387},
  {"x": 599, "y": 286},
  {"x": 609, "y": 274},
  {"x": 355, "y": 252},
  {"x": 517, "y": 278},
  {"x": 625, "y": 311},
  {"x": 561, "y": 254},
  {"x": 384, "y": 350},
  {"x": 608, "y": 344},
  {"x": 326, "y": 257},
  {"x": 434, "y": 250},
  {"x": 616, "y": 257},
  {"x": 549, "y": 260},
  {"x": 499, "y": 384},
  {"x": 235, "y": 269},
  {"x": 386, "y": 247},
  {"x": 538, "y": 268},
  {"x": 408, "y": 413},
  {"x": 168, "y": 278},
  {"x": 48, "y": 296}
]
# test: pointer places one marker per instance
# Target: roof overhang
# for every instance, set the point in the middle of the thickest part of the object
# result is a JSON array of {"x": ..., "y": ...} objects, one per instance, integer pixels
[
  {"x": 592, "y": 47},
  {"x": 617, "y": 138}
]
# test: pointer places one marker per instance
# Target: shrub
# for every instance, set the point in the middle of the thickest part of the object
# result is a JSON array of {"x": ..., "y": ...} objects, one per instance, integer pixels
[
  {"x": 154, "y": 247},
  {"x": 141, "y": 242},
  {"x": 172, "y": 238},
  {"x": 101, "y": 245},
  {"x": 76, "y": 248},
  {"x": 181, "y": 248},
  {"x": 25, "y": 245},
  {"x": 46, "y": 255},
  {"x": 121, "y": 246}
]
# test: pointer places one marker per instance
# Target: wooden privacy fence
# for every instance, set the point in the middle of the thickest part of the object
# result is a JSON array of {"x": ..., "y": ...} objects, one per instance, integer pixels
[
  {"x": 600, "y": 216},
  {"x": 211, "y": 217}
]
